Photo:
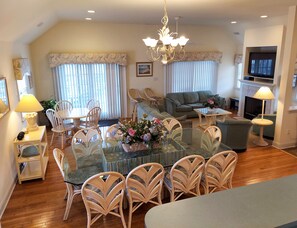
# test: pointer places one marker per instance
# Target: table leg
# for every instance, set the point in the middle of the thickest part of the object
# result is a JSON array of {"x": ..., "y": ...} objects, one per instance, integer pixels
[{"x": 260, "y": 141}]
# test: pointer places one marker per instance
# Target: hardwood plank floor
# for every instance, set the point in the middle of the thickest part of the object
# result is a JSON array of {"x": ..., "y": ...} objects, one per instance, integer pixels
[{"x": 40, "y": 203}]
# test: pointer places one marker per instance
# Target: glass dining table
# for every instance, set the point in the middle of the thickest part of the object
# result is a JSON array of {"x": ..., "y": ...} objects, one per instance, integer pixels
[{"x": 110, "y": 156}]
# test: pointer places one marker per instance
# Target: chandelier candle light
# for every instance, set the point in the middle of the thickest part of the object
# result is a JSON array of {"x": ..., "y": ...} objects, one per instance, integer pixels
[{"x": 169, "y": 41}]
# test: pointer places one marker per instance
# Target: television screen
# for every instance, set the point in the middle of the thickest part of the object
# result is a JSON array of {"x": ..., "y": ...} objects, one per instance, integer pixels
[{"x": 262, "y": 64}]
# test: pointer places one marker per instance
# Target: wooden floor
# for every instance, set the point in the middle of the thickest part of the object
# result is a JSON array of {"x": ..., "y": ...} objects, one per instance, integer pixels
[{"x": 40, "y": 203}]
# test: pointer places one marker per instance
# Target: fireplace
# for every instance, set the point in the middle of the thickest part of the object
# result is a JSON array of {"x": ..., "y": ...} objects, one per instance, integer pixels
[{"x": 252, "y": 107}]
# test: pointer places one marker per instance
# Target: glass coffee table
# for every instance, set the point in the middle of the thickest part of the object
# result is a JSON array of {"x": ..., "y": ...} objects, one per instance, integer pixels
[{"x": 211, "y": 116}]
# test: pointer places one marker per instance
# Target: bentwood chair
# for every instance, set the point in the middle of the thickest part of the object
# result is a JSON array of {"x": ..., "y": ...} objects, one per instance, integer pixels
[
  {"x": 185, "y": 177},
  {"x": 92, "y": 119},
  {"x": 103, "y": 194},
  {"x": 71, "y": 190},
  {"x": 174, "y": 128},
  {"x": 92, "y": 103},
  {"x": 219, "y": 170},
  {"x": 135, "y": 98},
  {"x": 85, "y": 147},
  {"x": 63, "y": 105},
  {"x": 144, "y": 185},
  {"x": 58, "y": 126}
]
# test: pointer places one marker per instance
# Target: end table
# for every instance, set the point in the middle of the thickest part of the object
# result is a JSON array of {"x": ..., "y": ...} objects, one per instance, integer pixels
[{"x": 261, "y": 123}]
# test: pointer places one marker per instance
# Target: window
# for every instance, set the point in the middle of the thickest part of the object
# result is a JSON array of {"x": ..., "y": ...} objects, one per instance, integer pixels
[
  {"x": 78, "y": 83},
  {"x": 238, "y": 73},
  {"x": 191, "y": 76}
]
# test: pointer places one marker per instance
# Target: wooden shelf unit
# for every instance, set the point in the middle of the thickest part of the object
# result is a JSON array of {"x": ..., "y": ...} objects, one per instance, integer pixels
[{"x": 34, "y": 167}]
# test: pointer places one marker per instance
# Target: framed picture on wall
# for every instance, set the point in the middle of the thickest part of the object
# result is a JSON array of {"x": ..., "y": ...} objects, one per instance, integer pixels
[{"x": 144, "y": 69}]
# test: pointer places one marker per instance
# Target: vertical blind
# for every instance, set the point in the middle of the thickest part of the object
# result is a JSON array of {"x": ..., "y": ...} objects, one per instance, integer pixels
[
  {"x": 78, "y": 83},
  {"x": 191, "y": 76}
]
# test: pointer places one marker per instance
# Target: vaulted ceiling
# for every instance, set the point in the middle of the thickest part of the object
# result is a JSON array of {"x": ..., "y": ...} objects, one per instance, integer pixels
[{"x": 27, "y": 19}]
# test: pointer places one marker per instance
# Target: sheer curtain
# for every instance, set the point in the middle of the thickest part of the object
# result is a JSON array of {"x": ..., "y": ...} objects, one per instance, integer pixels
[
  {"x": 191, "y": 76},
  {"x": 78, "y": 83}
]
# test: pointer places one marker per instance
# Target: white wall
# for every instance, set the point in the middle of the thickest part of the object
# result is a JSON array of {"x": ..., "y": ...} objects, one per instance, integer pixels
[
  {"x": 11, "y": 123},
  {"x": 106, "y": 37}
]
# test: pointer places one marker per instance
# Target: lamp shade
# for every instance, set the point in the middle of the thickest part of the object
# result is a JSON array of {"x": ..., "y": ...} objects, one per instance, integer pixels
[
  {"x": 28, "y": 103},
  {"x": 264, "y": 93}
]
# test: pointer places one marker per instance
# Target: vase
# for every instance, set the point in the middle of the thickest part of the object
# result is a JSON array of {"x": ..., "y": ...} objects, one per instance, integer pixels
[
  {"x": 134, "y": 147},
  {"x": 139, "y": 147}
]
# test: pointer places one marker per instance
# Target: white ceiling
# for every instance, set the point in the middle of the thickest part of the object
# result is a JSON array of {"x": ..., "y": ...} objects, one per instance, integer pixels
[{"x": 27, "y": 19}]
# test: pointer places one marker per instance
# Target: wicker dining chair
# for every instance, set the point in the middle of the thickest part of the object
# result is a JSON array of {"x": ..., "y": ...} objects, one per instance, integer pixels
[
  {"x": 71, "y": 190},
  {"x": 219, "y": 170},
  {"x": 185, "y": 177},
  {"x": 214, "y": 132},
  {"x": 103, "y": 194},
  {"x": 144, "y": 185},
  {"x": 174, "y": 128}
]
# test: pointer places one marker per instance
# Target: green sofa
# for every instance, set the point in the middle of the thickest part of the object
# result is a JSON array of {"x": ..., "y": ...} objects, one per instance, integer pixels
[
  {"x": 184, "y": 103},
  {"x": 268, "y": 131}
]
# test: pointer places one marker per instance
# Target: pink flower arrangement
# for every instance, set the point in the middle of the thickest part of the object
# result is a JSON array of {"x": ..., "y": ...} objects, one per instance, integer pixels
[
  {"x": 144, "y": 131},
  {"x": 131, "y": 132},
  {"x": 211, "y": 103}
]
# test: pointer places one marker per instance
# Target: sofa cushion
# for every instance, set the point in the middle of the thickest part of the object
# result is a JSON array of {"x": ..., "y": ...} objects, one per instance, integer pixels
[
  {"x": 191, "y": 97},
  {"x": 178, "y": 98},
  {"x": 197, "y": 105},
  {"x": 204, "y": 95},
  {"x": 184, "y": 108}
]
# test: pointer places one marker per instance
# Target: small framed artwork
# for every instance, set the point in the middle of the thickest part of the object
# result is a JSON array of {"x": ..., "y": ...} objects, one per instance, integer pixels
[{"x": 144, "y": 69}]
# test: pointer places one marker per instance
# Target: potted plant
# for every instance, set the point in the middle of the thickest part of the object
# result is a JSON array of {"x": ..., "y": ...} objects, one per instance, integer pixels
[{"x": 46, "y": 104}]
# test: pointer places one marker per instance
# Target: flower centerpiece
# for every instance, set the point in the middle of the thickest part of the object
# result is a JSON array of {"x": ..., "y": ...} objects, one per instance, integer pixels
[
  {"x": 141, "y": 135},
  {"x": 211, "y": 103}
]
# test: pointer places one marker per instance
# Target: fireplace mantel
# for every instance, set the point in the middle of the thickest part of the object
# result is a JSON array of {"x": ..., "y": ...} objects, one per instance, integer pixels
[{"x": 249, "y": 88}]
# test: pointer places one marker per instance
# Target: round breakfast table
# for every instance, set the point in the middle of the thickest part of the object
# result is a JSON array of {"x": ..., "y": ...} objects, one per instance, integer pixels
[{"x": 76, "y": 114}]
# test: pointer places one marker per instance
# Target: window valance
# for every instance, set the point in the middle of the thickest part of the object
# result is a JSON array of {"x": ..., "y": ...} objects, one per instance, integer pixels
[
  {"x": 238, "y": 58},
  {"x": 200, "y": 56},
  {"x": 56, "y": 59}
]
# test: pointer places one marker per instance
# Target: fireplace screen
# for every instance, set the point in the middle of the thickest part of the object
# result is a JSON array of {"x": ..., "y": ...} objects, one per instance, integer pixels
[{"x": 252, "y": 107}]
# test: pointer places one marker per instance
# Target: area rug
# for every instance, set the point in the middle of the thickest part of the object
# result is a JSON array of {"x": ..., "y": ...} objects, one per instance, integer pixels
[{"x": 105, "y": 123}]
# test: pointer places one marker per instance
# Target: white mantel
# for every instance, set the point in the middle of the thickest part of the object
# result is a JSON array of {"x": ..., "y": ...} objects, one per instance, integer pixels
[{"x": 249, "y": 88}]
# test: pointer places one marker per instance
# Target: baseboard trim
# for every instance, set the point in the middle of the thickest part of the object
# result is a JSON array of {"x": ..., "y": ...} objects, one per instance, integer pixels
[
  {"x": 283, "y": 146},
  {"x": 6, "y": 198}
]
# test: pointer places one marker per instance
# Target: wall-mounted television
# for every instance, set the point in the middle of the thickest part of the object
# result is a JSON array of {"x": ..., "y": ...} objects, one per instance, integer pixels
[{"x": 262, "y": 64}]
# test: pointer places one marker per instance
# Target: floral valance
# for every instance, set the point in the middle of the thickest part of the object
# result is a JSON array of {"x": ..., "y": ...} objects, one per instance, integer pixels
[
  {"x": 238, "y": 58},
  {"x": 200, "y": 56},
  {"x": 56, "y": 59}
]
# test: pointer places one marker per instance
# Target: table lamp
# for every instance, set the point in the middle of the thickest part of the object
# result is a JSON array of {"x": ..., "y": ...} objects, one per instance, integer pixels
[
  {"x": 264, "y": 93},
  {"x": 30, "y": 105}
]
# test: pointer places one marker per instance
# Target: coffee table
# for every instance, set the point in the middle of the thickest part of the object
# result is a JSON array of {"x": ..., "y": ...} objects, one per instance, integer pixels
[{"x": 211, "y": 115}]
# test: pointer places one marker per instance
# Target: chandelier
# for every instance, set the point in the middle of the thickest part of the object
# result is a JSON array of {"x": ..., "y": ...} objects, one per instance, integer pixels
[{"x": 166, "y": 49}]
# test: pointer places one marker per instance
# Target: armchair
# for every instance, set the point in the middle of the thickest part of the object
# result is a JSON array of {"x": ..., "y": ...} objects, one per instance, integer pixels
[{"x": 235, "y": 133}]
